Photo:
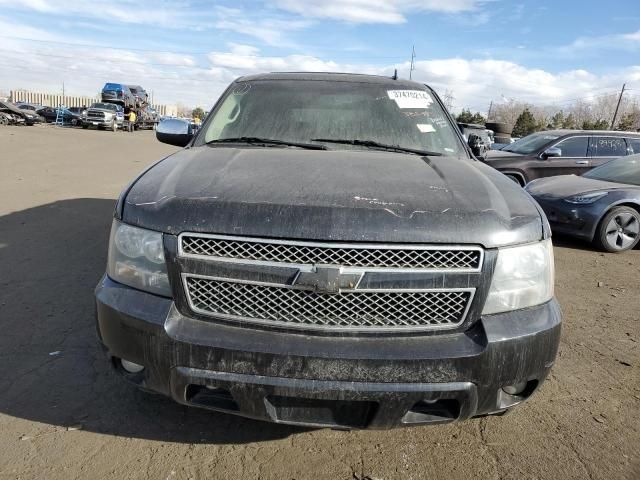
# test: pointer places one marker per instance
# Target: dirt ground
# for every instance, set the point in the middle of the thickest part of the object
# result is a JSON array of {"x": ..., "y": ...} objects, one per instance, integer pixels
[{"x": 65, "y": 415}]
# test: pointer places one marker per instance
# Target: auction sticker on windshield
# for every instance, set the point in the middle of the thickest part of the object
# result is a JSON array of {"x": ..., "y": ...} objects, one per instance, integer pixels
[{"x": 410, "y": 98}]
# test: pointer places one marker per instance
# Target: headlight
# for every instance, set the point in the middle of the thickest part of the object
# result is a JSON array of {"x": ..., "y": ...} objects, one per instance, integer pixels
[
  {"x": 523, "y": 277},
  {"x": 586, "y": 198},
  {"x": 136, "y": 258},
  {"x": 84, "y": 113}
]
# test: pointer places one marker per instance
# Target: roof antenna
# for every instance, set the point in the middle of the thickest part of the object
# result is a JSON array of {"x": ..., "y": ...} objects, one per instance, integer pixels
[{"x": 395, "y": 75}]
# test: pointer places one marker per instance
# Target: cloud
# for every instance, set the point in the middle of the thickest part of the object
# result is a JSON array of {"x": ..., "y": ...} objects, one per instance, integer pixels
[
  {"x": 9, "y": 28},
  {"x": 632, "y": 37},
  {"x": 244, "y": 60},
  {"x": 199, "y": 79},
  {"x": 473, "y": 83},
  {"x": 173, "y": 59},
  {"x": 592, "y": 45},
  {"x": 168, "y": 15},
  {"x": 270, "y": 29},
  {"x": 375, "y": 11}
]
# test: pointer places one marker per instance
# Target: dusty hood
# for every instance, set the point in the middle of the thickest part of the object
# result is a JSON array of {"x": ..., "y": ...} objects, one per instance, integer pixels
[
  {"x": 332, "y": 195},
  {"x": 564, "y": 186}
]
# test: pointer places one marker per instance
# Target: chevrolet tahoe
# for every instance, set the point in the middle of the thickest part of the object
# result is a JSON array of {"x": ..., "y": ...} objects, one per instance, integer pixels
[{"x": 327, "y": 251}]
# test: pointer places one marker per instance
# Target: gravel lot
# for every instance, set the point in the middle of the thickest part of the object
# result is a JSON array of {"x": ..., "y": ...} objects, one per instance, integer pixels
[{"x": 65, "y": 415}]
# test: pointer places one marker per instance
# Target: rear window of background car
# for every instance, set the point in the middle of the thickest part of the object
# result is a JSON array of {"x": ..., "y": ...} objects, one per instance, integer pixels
[
  {"x": 634, "y": 144},
  {"x": 608, "y": 147}
]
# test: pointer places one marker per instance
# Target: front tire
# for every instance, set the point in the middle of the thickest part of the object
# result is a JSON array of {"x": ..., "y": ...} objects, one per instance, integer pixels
[
  {"x": 515, "y": 178},
  {"x": 619, "y": 230}
]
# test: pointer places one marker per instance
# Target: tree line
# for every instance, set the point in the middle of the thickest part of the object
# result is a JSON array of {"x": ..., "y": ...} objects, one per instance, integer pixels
[{"x": 527, "y": 118}]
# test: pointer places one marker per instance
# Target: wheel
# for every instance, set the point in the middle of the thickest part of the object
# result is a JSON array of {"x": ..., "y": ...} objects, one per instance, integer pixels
[
  {"x": 85, "y": 126},
  {"x": 515, "y": 178},
  {"x": 619, "y": 230}
]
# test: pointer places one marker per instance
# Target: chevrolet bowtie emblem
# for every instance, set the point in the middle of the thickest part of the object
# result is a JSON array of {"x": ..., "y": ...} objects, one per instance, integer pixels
[{"x": 326, "y": 279}]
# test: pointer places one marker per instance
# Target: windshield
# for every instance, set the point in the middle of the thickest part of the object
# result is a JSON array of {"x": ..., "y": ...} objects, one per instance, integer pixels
[
  {"x": 112, "y": 86},
  {"x": 105, "y": 106},
  {"x": 303, "y": 110},
  {"x": 531, "y": 143},
  {"x": 622, "y": 170}
]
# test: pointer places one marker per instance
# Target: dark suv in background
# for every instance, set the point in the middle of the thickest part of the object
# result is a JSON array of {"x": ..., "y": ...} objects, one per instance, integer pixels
[
  {"x": 561, "y": 152},
  {"x": 118, "y": 93}
]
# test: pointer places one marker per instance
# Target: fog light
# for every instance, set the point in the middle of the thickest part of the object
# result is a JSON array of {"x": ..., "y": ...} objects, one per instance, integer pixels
[
  {"x": 131, "y": 367},
  {"x": 516, "y": 389}
]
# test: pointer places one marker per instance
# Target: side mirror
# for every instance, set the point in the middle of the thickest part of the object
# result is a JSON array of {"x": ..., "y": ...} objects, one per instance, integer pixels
[
  {"x": 478, "y": 147},
  {"x": 174, "y": 132},
  {"x": 551, "y": 152}
]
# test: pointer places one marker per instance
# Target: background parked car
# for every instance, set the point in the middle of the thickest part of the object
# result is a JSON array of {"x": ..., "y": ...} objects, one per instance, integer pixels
[
  {"x": 118, "y": 93},
  {"x": 68, "y": 117},
  {"x": 29, "y": 106},
  {"x": 15, "y": 115},
  {"x": 77, "y": 110},
  {"x": 561, "y": 152},
  {"x": 602, "y": 206}
]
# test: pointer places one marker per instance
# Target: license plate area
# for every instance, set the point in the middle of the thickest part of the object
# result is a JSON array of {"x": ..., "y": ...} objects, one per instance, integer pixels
[{"x": 320, "y": 412}]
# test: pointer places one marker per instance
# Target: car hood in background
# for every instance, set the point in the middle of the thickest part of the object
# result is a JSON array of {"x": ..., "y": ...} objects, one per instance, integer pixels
[
  {"x": 564, "y": 186},
  {"x": 342, "y": 195},
  {"x": 11, "y": 108}
]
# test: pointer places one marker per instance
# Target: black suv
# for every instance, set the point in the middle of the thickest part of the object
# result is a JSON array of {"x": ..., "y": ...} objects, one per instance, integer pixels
[
  {"x": 328, "y": 252},
  {"x": 561, "y": 152}
]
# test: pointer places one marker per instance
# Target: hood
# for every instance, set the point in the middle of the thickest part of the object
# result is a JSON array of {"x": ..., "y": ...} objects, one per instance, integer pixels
[
  {"x": 11, "y": 108},
  {"x": 332, "y": 195},
  {"x": 106, "y": 110},
  {"x": 564, "y": 186}
]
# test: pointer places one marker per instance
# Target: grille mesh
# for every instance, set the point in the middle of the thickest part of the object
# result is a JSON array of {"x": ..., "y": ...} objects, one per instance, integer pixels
[
  {"x": 95, "y": 114},
  {"x": 302, "y": 253},
  {"x": 355, "y": 310}
]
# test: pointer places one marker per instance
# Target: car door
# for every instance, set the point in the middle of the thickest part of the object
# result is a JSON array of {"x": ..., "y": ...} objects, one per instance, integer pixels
[
  {"x": 48, "y": 113},
  {"x": 603, "y": 148},
  {"x": 571, "y": 158}
]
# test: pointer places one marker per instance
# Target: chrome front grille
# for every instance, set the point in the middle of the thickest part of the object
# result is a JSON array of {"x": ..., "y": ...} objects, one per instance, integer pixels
[
  {"x": 95, "y": 115},
  {"x": 346, "y": 255},
  {"x": 350, "y": 310}
]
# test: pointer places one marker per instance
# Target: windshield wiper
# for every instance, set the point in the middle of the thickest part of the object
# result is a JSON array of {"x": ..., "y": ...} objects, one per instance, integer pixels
[
  {"x": 381, "y": 146},
  {"x": 266, "y": 141}
]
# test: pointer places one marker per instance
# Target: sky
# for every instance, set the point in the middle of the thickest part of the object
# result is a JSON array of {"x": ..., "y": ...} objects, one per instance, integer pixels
[{"x": 188, "y": 51}]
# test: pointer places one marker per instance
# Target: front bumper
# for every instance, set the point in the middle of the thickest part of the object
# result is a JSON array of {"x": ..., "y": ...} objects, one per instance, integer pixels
[
  {"x": 329, "y": 381},
  {"x": 569, "y": 219},
  {"x": 94, "y": 122}
]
